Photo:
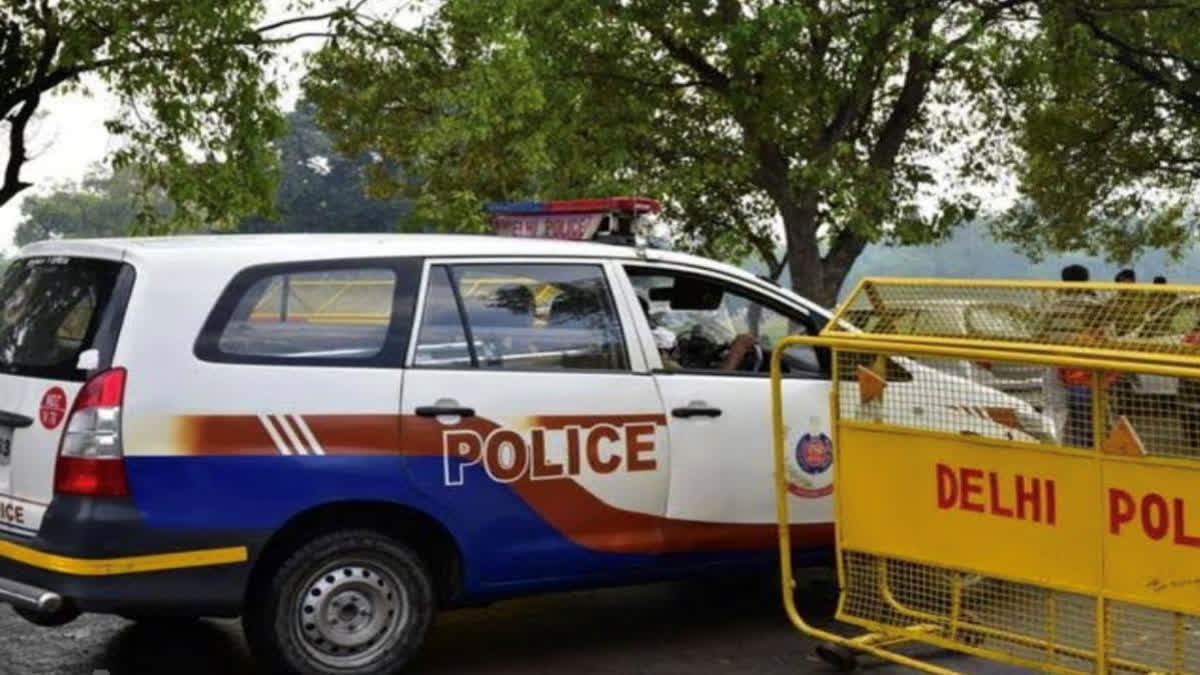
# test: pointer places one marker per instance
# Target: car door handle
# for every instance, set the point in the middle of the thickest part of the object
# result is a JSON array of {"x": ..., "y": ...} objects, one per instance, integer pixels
[
  {"x": 694, "y": 411},
  {"x": 444, "y": 411}
]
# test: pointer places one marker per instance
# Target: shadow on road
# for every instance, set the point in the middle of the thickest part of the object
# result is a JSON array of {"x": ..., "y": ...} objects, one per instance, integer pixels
[
  {"x": 719, "y": 625},
  {"x": 176, "y": 648},
  {"x": 704, "y": 623}
]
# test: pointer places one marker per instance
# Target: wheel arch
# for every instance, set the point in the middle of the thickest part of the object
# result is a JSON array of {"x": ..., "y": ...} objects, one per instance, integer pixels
[{"x": 428, "y": 537}]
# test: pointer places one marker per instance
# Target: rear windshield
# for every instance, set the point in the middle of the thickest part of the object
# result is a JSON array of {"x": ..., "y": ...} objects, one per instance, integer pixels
[{"x": 50, "y": 309}]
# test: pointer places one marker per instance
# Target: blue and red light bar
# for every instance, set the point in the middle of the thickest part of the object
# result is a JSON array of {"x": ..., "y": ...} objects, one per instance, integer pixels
[
  {"x": 576, "y": 219},
  {"x": 634, "y": 205}
]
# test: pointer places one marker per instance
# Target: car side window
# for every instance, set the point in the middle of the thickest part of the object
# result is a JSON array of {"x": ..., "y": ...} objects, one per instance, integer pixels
[
  {"x": 701, "y": 324},
  {"x": 321, "y": 314},
  {"x": 521, "y": 316},
  {"x": 442, "y": 341}
]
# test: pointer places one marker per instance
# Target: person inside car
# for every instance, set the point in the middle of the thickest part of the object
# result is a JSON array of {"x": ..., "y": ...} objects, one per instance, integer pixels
[
  {"x": 664, "y": 339},
  {"x": 742, "y": 346},
  {"x": 698, "y": 347}
]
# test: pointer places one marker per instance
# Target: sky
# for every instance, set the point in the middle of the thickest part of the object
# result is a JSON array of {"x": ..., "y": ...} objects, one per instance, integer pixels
[{"x": 70, "y": 139}]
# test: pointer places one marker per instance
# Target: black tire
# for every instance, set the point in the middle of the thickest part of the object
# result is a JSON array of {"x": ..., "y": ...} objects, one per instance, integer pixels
[{"x": 292, "y": 620}]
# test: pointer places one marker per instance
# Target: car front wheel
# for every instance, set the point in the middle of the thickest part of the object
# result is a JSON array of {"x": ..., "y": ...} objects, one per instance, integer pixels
[{"x": 346, "y": 603}]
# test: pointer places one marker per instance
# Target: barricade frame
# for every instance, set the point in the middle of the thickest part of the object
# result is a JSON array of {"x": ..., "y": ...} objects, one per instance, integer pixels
[{"x": 881, "y": 637}]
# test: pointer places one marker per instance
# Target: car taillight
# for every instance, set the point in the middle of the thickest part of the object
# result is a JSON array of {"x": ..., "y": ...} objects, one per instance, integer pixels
[{"x": 90, "y": 456}]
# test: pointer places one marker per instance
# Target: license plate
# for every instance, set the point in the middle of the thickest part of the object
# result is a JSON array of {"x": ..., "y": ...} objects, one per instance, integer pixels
[{"x": 5, "y": 445}]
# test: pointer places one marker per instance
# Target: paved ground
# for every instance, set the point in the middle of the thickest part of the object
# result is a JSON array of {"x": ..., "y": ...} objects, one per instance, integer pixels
[{"x": 736, "y": 626}]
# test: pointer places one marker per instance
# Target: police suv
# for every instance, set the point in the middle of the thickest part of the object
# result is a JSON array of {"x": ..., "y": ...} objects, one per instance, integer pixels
[{"x": 335, "y": 436}]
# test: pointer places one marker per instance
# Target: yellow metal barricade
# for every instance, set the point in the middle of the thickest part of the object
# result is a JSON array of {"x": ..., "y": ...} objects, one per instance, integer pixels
[{"x": 1017, "y": 473}]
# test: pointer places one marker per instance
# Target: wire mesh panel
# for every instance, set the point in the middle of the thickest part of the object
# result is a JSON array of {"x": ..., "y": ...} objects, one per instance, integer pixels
[
  {"x": 946, "y": 395},
  {"x": 1017, "y": 470},
  {"x": 1148, "y": 319},
  {"x": 972, "y": 516},
  {"x": 1021, "y": 621}
]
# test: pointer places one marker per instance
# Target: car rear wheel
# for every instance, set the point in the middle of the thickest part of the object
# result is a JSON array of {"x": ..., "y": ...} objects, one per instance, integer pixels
[{"x": 347, "y": 603}]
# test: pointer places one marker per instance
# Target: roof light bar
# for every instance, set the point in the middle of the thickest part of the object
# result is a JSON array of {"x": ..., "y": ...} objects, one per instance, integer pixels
[{"x": 611, "y": 219}]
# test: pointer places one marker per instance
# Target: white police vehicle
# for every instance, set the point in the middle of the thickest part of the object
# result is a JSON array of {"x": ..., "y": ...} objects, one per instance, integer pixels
[{"x": 335, "y": 436}]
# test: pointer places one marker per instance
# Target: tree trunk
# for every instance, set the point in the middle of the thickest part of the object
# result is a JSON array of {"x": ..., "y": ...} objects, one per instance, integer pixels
[
  {"x": 803, "y": 250},
  {"x": 817, "y": 278}
]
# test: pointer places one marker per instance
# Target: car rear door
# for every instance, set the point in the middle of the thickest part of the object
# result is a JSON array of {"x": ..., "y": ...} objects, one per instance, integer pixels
[
  {"x": 59, "y": 320},
  {"x": 531, "y": 421}
]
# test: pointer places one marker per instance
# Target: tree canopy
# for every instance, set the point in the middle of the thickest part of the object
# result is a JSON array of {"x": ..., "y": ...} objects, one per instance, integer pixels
[
  {"x": 1109, "y": 135},
  {"x": 196, "y": 86},
  {"x": 846, "y": 121},
  {"x": 319, "y": 190},
  {"x": 818, "y": 114},
  {"x": 103, "y": 204}
]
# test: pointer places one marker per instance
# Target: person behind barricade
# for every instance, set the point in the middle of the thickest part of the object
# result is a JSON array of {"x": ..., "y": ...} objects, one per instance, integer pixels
[
  {"x": 1160, "y": 300},
  {"x": 1126, "y": 310},
  {"x": 1074, "y": 317},
  {"x": 1188, "y": 399}
]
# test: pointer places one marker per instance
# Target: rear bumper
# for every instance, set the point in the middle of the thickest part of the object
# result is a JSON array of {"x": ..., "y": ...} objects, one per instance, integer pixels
[
  {"x": 99, "y": 557},
  {"x": 202, "y": 591}
]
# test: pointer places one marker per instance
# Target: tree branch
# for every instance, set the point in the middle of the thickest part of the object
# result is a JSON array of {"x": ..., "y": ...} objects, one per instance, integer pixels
[
  {"x": 294, "y": 37},
  {"x": 300, "y": 19},
  {"x": 765, "y": 247},
  {"x": 847, "y": 244},
  {"x": 11, "y": 63},
  {"x": 858, "y": 98},
  {"x": 1087, "y": 18},
  {"x": 709, "y": 73},
  {"x": 988, "y": 16},
  {"x": 845, "y": 249},
  {"x": 1124, "y": 55},
  {"x": 772, "y": 172},
  {"x": 629, "y": 79},
  {"x": 13, "y": 185},
  {"x": 917, "y": 77}
]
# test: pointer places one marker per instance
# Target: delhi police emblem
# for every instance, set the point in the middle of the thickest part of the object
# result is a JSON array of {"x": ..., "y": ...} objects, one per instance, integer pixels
[{"x": 810, "y": 476}]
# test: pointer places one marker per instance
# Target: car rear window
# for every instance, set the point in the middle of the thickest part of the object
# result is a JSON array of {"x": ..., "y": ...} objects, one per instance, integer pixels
[{"x": 51, "y": 309}]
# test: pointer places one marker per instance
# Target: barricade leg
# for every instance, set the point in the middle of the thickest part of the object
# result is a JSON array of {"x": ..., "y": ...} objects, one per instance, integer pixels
[{"x": 835, "y": 646}]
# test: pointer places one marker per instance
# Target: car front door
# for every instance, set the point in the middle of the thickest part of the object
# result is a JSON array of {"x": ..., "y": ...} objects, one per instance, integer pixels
[
  {"x": 532, "y": 423},
  {"x": 722, "y": 497}
]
